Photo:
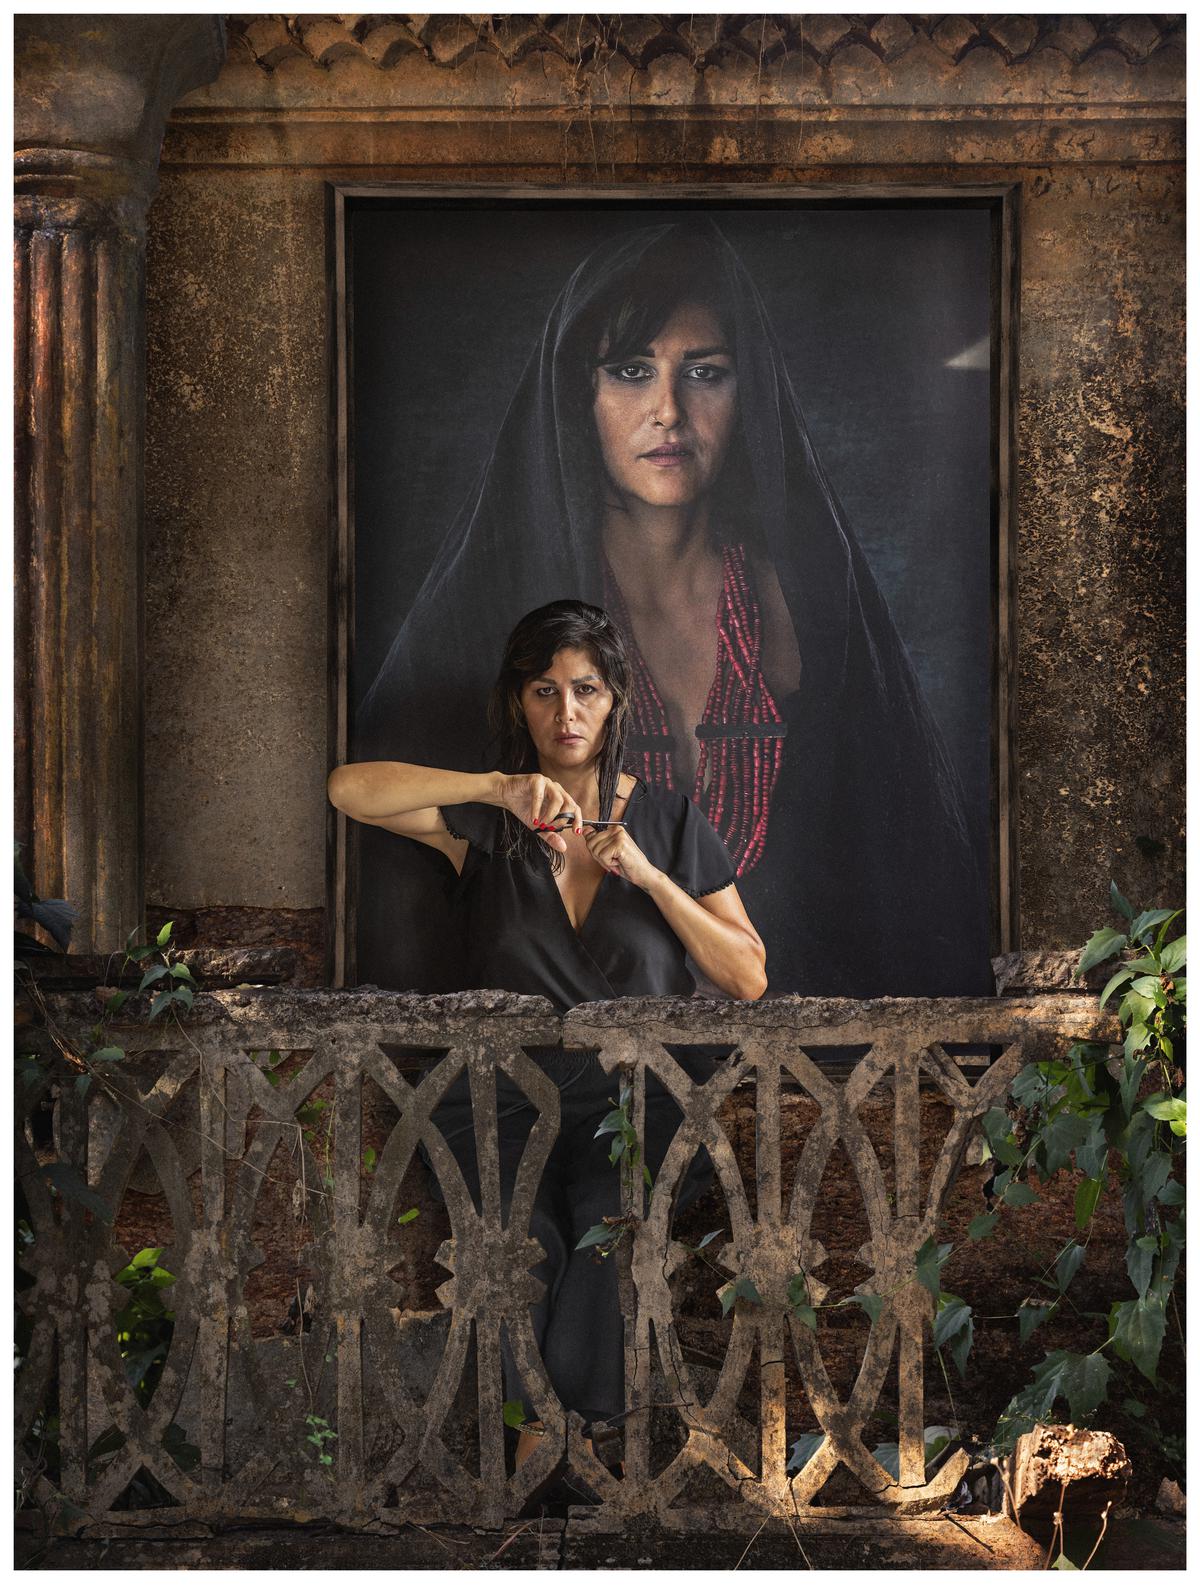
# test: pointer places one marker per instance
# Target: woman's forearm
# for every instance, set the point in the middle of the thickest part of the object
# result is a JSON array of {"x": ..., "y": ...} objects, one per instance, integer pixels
[
  {"x": 384, "y": 788},
  {"x": 728, "y": 955}
]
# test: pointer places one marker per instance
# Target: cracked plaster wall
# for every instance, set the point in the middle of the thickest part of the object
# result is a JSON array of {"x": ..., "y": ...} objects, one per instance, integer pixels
[{"x": 238, "y": 458}]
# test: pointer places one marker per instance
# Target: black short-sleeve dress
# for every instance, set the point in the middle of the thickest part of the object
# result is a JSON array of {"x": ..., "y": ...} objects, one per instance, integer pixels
[{"x": 519, "y": 937}]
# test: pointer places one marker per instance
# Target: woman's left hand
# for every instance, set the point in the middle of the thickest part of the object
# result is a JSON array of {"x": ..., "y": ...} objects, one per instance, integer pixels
[{"x": 616, "y": 851}]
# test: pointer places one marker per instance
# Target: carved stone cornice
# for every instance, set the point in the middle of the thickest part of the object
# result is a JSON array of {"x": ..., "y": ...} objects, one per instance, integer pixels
[{"x": 310, "y": 60}]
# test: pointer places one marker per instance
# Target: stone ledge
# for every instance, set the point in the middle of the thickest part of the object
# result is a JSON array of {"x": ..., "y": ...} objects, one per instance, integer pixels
[{"x": 831, "y": 1542}]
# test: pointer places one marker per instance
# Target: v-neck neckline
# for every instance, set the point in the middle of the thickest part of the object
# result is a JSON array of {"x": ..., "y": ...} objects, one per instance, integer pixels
[
  {"x": 578, "y": 930},
  {"x": 621, "y": 613}
]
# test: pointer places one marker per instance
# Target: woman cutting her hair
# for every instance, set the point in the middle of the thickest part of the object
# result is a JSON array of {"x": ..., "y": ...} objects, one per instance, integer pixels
[{"x": 578, "y": 882}]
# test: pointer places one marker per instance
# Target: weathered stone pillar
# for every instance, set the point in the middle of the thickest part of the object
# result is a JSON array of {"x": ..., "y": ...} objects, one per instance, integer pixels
[{"x": 92, "y": 95}]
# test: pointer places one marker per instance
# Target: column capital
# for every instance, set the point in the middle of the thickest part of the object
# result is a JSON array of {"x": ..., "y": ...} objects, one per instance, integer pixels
[{"x": 91, "y": 99}]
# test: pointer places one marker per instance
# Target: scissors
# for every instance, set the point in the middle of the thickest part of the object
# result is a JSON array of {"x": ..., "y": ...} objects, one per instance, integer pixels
[{"x": 566, "y": 822}]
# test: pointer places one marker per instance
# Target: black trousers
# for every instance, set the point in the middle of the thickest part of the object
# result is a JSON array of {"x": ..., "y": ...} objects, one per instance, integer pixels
[{"x": 577, "y": 1321}]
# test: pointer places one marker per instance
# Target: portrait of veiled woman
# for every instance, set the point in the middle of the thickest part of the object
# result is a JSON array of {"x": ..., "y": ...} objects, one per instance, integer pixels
[{"x": 857, "y": 822}]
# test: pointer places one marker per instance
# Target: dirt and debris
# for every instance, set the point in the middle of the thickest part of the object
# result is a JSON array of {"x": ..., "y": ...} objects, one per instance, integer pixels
[{"x": 1170, "y": 1500}]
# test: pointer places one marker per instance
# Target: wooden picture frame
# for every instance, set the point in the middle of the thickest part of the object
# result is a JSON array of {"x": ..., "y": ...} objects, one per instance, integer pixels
[{"x": 1001, "y": 201}]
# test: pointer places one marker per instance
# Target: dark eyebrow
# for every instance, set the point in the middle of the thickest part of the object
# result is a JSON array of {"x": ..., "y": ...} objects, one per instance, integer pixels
[
  {"x": 648, "y": 354},
  {"x": 577, "y": 681}
]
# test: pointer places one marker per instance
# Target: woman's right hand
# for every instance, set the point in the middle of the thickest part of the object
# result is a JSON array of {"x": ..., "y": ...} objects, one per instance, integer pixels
[{"x": 537, "y": 802}]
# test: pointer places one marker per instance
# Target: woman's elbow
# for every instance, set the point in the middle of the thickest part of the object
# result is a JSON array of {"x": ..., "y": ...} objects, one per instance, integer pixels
[
  {"x": 752, "y": 988},
  {"x": 339, "y": 787},
  {"x": 751, "y": 981}
]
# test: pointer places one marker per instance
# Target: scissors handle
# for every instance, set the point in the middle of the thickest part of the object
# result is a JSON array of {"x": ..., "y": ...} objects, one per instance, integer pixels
[{"x": 566, "y": 822}]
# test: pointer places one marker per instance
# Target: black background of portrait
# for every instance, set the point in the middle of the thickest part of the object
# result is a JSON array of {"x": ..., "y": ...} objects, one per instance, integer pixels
[{"x": 883, "y": 313}]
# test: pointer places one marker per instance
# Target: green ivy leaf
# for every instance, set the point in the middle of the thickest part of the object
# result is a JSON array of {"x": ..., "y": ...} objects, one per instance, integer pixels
[
  {"x": 369, "y": 1159},
  {"x": 868, "y": 1302},
  {"x": 106, "y": 1055},
  {"x": 1031, "y": 1316},
  {"x": 1086, "y": 1197},
  {"x": 1061, "y": 1136},
  {"x": 70, "y": 1183},
  {"x": 1082, "y": 1379},
  {"x": 1131, "y": 1079},
  {"x": 1121, "y": 977},
  {"x": 161, "y": 1002},
  {"x": 1120, "y": 904},
  {"x": 929, "y": 1262},
  {"x": 1092, "y": 1157},
  {"x": 1139, "y": 1262},
  {"x": 1136, "y": 1008},
  {"x": 1174, "y": 955},
  {"x": 1019, "y": 1195},
  {"x": 514, "y": 1414},
  {"x": 164, "y": 934},
  {"x": 729, "y": 1294},
  {"x": 115, "y": 1001},
  {"x": 153, "y": 976},
  {"x": 953, "y": 1327},
  {"x": 982, "y": 1225},
  {"x": 1137, "y": 1329},
  {"x": 1103, "y": 945},
  {"x": 414, "y": 1212},
  {"x": 1068, "y": 1265},
  {"x": 1165, "y": 1109},
  {"x": 798, "y": 1300},
  {"x": 598, "y": 1235},
  {"x": 997, "y": 1128},
  {"x": 1156, "y": 1170},
  {"x": 1147, "y": 921}
]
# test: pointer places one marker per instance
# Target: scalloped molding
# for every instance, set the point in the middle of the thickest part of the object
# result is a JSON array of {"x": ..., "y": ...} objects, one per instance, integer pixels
[{"x": 278, "y": 63}]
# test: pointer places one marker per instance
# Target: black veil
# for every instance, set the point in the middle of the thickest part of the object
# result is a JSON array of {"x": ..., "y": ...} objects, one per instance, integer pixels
[{"x": 868, "y": 884}]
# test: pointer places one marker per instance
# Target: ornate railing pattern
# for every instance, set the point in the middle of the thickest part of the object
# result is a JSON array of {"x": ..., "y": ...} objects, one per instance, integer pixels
[{"x": 394, "y": 1460}]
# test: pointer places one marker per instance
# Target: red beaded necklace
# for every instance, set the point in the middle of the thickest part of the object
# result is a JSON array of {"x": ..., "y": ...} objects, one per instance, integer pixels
[{"x": 741, "y": 733}]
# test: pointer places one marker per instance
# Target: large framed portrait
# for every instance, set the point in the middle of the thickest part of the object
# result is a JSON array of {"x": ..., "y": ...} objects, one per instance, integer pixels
[{"x": 770, "y": 432}]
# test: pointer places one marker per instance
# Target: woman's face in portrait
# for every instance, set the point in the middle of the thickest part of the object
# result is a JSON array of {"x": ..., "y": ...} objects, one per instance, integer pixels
[
  {"x": 566, "y": 709},
  {"x": 664, "y": 416}
]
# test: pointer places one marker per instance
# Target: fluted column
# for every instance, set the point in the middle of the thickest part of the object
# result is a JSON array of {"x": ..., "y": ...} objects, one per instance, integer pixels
[{"x": 92, "y": 98}]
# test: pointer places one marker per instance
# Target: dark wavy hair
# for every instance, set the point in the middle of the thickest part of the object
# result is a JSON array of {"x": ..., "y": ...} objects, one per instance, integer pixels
[
  {"x": 685, "y": 267},
  {"x": 532, "y": 645}
]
